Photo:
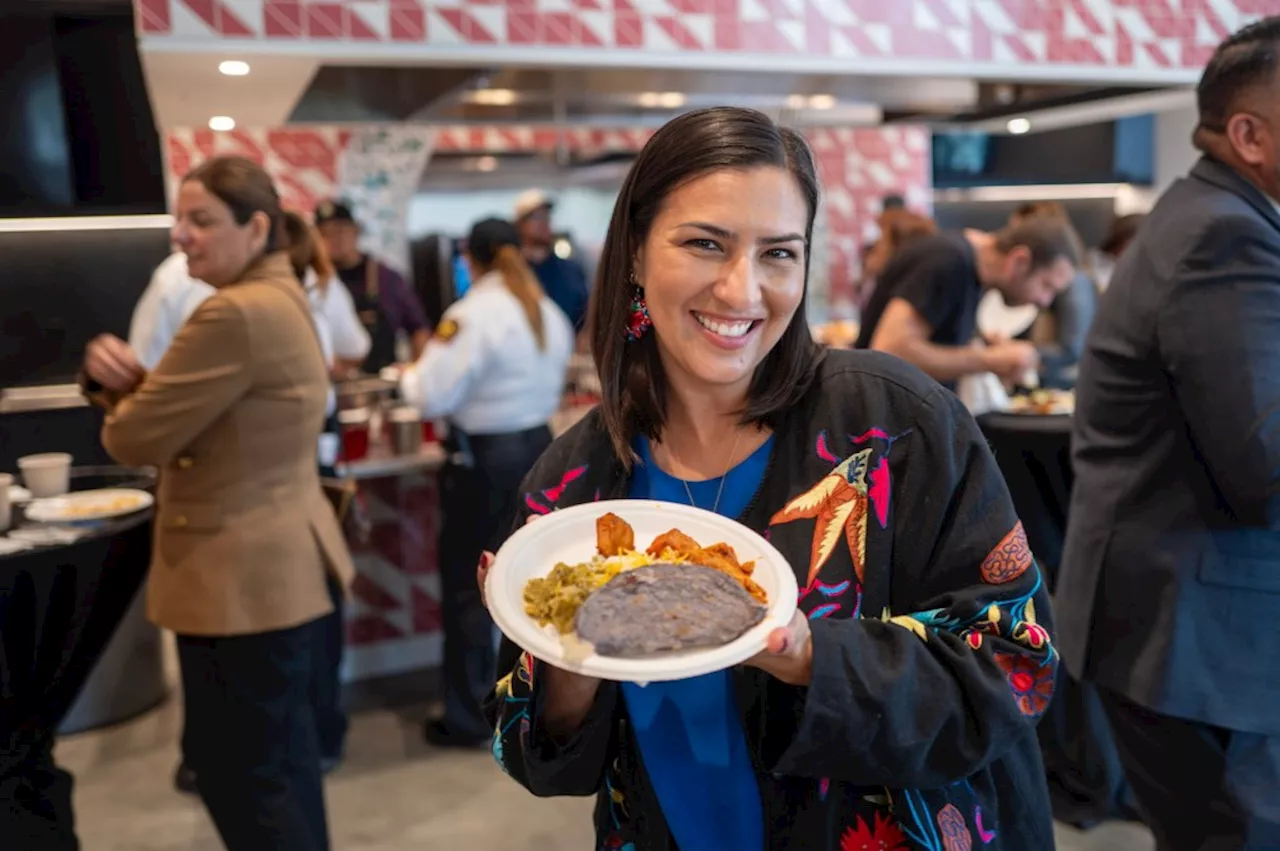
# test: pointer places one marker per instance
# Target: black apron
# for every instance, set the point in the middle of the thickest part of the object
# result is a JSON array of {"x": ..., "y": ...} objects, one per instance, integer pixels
[
  {"x": 479, "y": 490},
  {"x": 368, "y": 304}
]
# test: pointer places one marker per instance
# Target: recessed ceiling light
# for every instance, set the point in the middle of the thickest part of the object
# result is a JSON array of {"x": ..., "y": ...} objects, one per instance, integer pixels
[
  {"x": 1018, "y": 126},
  {"x": 822, "y": 102},
  {"x": 797, "y": 101},
  {"x": 661, "y": 100},
  {"x": 487, "y": 164},
  {"x": 234, "y": 68},
  {"x": 494, "y": 97},
  {"x": 222, "y": 122}
]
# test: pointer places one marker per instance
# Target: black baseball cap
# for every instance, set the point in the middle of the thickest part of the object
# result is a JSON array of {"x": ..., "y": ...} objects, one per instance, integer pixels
[
  {"x": 334, "y": 211},
  {"x": 489, "y": 235}
]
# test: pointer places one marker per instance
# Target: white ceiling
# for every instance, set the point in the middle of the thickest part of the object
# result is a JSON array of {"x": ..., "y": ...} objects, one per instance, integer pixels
[{"x": 187, "y": 89}]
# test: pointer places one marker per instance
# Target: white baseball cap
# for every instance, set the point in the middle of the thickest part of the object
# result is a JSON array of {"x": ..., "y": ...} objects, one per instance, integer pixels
[{"x": 532, "y": 201}]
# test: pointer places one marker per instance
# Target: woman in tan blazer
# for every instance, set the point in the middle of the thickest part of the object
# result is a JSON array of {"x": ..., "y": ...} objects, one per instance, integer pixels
[{"x": 244, "y": 536}]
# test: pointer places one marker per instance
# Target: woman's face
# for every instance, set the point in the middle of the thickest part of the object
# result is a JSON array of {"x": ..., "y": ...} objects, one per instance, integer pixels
[
  {"x": 722, "y": 269},
  {"x": 218, "y": 250}
]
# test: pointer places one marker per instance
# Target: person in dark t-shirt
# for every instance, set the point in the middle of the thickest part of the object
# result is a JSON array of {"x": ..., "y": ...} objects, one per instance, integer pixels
[{"x": 925, "y": 305}]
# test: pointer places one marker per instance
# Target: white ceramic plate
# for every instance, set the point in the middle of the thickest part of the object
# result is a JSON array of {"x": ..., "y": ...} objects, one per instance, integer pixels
[
  {"x": 86, "y": 506},
  {"x": 569, "y": 536}
]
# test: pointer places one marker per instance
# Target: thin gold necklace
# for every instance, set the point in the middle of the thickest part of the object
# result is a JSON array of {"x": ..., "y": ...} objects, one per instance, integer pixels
[{"x": 715, "y": 508}]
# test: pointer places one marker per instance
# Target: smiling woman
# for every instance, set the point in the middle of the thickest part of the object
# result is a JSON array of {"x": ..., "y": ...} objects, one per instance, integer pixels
[
  {"x": 711, "y": 234},
  {"x": 892, "y": 712}
]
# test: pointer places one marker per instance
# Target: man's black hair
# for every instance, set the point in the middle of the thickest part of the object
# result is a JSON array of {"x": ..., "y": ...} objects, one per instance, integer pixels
[{"x": 1247, "y": 59}]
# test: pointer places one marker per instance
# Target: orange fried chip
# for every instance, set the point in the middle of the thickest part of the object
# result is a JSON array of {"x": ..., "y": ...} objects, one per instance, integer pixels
[
  {"x": 614, "y": 536},
  {"x": 675, "y": 541}
]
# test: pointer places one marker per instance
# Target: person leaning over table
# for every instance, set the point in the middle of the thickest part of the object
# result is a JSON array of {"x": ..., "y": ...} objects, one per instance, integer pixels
[
  {"x": 496, "y": 370},
  {"x": 1060, "y": 329},
  {"x": 245, "y": 538},
  {"x": 898, "y": 708}
]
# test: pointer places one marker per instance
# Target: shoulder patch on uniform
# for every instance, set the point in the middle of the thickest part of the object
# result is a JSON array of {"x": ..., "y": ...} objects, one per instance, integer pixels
[{"x": 446, "y": 331}]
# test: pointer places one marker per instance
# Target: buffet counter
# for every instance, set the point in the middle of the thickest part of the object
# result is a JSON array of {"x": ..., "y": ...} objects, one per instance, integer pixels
[{"x": 393, "y": 615}]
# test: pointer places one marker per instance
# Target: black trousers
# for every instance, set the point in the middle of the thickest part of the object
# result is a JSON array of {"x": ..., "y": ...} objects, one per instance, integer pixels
[
  {"x": 250, "y": 737},
  {"x": 1200, "y": 788},
  {"x": 326, "y": 685},
  {"x": 478, "y": 507}
]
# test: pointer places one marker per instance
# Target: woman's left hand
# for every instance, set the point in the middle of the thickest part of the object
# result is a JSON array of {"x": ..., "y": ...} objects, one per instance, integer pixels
[{"x": 789, "y": 654}]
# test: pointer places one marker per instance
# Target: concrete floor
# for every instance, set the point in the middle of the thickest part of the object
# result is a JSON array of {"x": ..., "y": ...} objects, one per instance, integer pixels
[{"x": 394, "y": 793}]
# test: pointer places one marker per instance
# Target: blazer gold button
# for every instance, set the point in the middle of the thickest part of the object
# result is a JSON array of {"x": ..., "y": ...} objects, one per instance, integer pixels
[
  {"x": 180, "y": 521},
  {"x": 186, "y": 462}
]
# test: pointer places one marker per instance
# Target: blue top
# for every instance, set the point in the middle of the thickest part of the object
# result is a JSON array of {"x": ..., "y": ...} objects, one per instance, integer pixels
[
  {"x": 689, "y": 731},
  {"x": 565, "y": 283}
]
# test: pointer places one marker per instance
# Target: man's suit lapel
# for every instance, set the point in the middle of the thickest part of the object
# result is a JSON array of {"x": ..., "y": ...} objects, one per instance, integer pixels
[{"x": 1214, "y": 172}]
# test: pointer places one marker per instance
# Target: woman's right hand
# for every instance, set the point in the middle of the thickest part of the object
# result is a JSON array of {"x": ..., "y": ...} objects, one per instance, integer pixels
[
  {"x": 112, "y": 363},
  {"x": 568, "y": 697}
]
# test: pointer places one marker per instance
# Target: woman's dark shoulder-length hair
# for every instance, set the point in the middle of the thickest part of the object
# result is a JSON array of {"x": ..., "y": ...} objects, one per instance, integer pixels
[{"x": 633, "y": 385}]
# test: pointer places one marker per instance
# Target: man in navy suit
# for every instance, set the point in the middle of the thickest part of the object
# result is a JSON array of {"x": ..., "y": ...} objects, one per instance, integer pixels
[{"x": 1169, "y": 594}]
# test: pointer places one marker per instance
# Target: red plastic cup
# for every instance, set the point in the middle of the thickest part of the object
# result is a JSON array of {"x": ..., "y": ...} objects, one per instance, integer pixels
[{"x": 355, "y": 434}]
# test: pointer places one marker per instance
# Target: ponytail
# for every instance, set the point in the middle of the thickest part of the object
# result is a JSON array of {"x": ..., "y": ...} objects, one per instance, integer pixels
[
  {"x": 521, "y": 282},
  {"x": 306, "y": 250}
]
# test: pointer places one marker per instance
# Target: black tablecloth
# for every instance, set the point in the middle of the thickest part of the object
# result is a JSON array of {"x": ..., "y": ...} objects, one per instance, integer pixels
[
  {"x": 59, "y": 607},
  {"x": 1034, "y": 454},
  {"x": 1086, "y": 781}
]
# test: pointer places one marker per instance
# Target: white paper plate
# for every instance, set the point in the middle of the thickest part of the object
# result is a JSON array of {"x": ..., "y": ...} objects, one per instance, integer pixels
[
  {"x": 87, "y": 506},
  {"x": 998, "y": 320},
  {"x": 569, "y": 536}
]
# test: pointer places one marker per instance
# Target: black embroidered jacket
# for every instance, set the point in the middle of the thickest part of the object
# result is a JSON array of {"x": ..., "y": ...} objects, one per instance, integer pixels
[{"x": 931, "y": 650}]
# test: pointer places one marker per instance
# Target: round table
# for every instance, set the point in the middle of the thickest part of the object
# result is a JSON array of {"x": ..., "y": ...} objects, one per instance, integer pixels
[
  {"x": 1034, "y": 454},
  {"x": 59, "y": 608}
]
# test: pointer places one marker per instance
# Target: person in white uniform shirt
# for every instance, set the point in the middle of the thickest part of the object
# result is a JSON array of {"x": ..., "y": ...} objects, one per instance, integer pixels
[
  {"x": 173, "y": 295},
  {"x": 169, "y": 299},
  {"x": 495, "y": 370}
]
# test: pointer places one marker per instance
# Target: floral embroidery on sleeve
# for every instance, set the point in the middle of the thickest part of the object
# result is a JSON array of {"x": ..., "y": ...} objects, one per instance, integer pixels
[
  {"x": 550, "y": 496},
  {"x": 516, "y": 713},
  {"x": 883, "y": 834},
  {"x": 1031, "y": 681},
  {"x": 838, "y": 505},
  {"x": 955, "y": 833},
  {"x": 1010, "y": 558}
]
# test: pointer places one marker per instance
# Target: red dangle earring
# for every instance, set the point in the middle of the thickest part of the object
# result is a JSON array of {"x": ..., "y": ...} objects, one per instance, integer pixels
[{"x": 639, "y": 322}]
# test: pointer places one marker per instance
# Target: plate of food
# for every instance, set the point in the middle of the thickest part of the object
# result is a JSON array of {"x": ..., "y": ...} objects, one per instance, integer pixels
[
  {"x": 1044, "y": 403},
  {"x": 89, "y": 506},
  {"x": 639, "y": 590}
]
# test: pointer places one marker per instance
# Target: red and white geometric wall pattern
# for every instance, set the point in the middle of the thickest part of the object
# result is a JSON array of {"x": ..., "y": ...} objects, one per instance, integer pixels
[
  {"x": 858, "y": 167},
  {"x": 1146, "y": 34},
  {"x": 303, "y": 162}
]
